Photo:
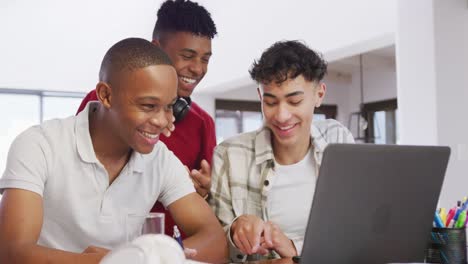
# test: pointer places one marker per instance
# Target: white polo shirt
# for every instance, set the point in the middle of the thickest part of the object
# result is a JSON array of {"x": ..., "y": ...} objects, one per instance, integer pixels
[{"x": 57, "y": 161}]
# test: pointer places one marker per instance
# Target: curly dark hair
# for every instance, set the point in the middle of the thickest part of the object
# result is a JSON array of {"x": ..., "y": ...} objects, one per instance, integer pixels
[
  {"x": 287, "y": 60},
  {"x": 131, "y": 54},
  {"x": 183, "y": 15}
]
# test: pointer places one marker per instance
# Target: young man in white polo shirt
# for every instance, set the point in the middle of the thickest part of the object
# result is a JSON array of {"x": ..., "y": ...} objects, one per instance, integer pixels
[
  {"x": 70, "y": 185},
  {"x": 263, "y": 181}
]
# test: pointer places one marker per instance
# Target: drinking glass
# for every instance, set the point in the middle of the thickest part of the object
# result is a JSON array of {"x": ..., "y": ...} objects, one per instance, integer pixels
[
  {"x": 137, "y": 225},
  {"x": 153, "y": 224}
]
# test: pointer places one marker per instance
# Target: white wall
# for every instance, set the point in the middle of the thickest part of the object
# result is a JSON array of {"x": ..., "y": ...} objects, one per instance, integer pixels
[
  {"x": 379, "y": 79},
  {"x": 248, "y": 93},
  {"x": 416, "y": 72},
  {"x": 451, "y": 54},
  {"x": 207, "y": 102},
  {"x": 379, "y": 82},
  {"x": 338, "y": 93},
  {"x": 432, "y": 63},
  {"x": 58, "y": 45},
  {"x": 335, "y": 27}
]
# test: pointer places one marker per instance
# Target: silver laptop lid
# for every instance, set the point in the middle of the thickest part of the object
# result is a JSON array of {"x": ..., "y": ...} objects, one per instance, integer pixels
[{"x": 374, "y": 203}]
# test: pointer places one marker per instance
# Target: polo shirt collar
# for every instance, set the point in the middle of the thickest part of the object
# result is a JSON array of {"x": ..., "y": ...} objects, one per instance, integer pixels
[
  {"x": 84, "y": 144},
  {"x": 264, "y": 150},
  {"x": 137, "y": 162}
]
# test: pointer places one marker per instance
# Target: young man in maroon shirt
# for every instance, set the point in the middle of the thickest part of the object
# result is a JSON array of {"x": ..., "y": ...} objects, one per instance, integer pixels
[{"x": 184, "y": 30}]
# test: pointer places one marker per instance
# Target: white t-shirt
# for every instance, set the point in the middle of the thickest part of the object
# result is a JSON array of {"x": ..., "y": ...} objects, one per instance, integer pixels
[
  {"x": 57, "y": 161},
  {"x": 290, "y": 197}
]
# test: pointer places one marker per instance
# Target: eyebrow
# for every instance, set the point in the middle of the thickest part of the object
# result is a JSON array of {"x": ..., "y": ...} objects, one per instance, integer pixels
[
  {"x": 154, "y": 98},
  {"x": 194, "y": 52},
  {"x": 148, "y": 98},
  {"x": 287, "y": 95}
]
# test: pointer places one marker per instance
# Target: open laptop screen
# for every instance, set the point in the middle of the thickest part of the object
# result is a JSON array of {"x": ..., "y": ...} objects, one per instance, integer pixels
[{"x": 374, "y": 203}]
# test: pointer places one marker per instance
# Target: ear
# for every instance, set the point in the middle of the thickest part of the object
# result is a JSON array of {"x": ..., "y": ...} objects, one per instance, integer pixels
[
  {"x": 320, "y": 92},
  {"x": 156, "y": 42},
  {"x": 104, "y": 94}
]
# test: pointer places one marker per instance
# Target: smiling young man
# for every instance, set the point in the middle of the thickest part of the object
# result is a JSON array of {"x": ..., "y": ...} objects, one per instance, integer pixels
[
  {"x": 72, "y": 183},
  {"x": 263, "y": 181},
  {"x": 184, "y": 30}
]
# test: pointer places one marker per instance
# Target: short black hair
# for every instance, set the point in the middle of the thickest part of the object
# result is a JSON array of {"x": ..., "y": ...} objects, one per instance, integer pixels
[
  {"x": 131, "y": 54},
  {"x": 287, "y": 60},
  {"x": 182, "y": 15}
]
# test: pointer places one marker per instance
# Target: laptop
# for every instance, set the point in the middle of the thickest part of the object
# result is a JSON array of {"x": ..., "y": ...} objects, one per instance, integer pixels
[{"x": 374, "y": 203}]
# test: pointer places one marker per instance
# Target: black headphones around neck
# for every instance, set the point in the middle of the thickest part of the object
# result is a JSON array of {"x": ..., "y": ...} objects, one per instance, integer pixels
[{"x": 181, "y": 108}]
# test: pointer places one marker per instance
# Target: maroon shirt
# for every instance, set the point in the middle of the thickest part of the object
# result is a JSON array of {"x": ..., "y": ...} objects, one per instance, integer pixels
[{"x": 192, "y": 141}]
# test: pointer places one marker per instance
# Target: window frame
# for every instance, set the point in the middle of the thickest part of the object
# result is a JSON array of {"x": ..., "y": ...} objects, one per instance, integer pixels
[
  {"x": 236, "y": 109},
  {"x": 329, "y": 110},
  {"x": 369, "y": 109},
  {"x": 42, "y": 94}
]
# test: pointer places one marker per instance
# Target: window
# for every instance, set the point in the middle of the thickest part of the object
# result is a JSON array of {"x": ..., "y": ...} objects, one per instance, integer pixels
[
  {"x": 21, "y": 109},
  {"x": 325, "y": 112},
  {"x": 381, "y": 118},
  {"x": 233, "y": 117},
  {"x": 18, "y": 112},
  {"x": 59, "y": 106}
]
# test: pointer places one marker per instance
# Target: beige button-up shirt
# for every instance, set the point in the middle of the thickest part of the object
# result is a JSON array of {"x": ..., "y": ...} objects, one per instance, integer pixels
[{"x": 242, "y": 174}]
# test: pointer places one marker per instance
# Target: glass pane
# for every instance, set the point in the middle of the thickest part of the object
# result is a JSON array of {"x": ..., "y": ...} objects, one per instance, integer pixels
[
  {"x": 226, "y": 127},
  {"x": 17, "y": 112},
  {"x": 380, "y": 127},
  {"x": 60, "y": 107},
  {"x": 319, "y": 117},
  {"x": 251, "y": 121}
]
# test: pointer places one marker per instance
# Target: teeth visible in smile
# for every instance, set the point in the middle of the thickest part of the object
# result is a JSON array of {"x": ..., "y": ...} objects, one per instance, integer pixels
[
  {"x": 188, "y": 80},
  {"x": 148, "y": 135},
  {"x": 287, "y": 127}
]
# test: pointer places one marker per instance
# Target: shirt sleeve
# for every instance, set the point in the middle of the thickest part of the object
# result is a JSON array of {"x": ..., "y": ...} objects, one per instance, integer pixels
[
  {"x": 208, "y": 139},
  {"x": 298, "y": 244},
  {"x": 339, "y": 133},
  {"x": 27, "y": 162},
  {"x": 221, "y": 200},
  {"x": 235, "y": 254},
  {"x": 176, "y": 181},
  {"x": 348, "y": 137}
]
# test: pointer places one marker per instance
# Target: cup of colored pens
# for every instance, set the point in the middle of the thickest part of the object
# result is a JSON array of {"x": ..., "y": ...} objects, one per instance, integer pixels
[{"x": 448, "y": 236}]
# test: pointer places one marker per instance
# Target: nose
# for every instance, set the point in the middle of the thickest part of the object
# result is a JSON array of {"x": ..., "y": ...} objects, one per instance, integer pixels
[
  {"x": 197, "y": 67},
  {"x": 161, "y": 119},
  {"x": 282, "y": 113}
]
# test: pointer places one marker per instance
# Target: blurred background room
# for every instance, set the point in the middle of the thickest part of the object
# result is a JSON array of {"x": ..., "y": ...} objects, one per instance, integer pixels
[{"x": 398, "y": 69}]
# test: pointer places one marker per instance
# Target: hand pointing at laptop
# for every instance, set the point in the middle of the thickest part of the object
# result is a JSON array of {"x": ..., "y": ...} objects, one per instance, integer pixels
[{"x": 252, "y": 235}]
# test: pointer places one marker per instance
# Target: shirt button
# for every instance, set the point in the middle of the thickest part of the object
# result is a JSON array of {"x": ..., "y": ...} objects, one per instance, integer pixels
[
  {"x": 240, "y": 256},
  {"x": 266, "y": 182}
]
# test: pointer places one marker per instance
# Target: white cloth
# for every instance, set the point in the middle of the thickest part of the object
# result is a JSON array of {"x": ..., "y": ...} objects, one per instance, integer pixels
[
  {"x": 149, "y": 249},
  {"x": 291, "y": 195},
  {"x": 57, "y": 161}
]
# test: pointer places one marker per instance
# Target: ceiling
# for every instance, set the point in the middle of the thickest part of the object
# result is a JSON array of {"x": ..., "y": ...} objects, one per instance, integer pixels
[
  {"x": 58, "y": 45},
  {"x": 370, "y": 59}
]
